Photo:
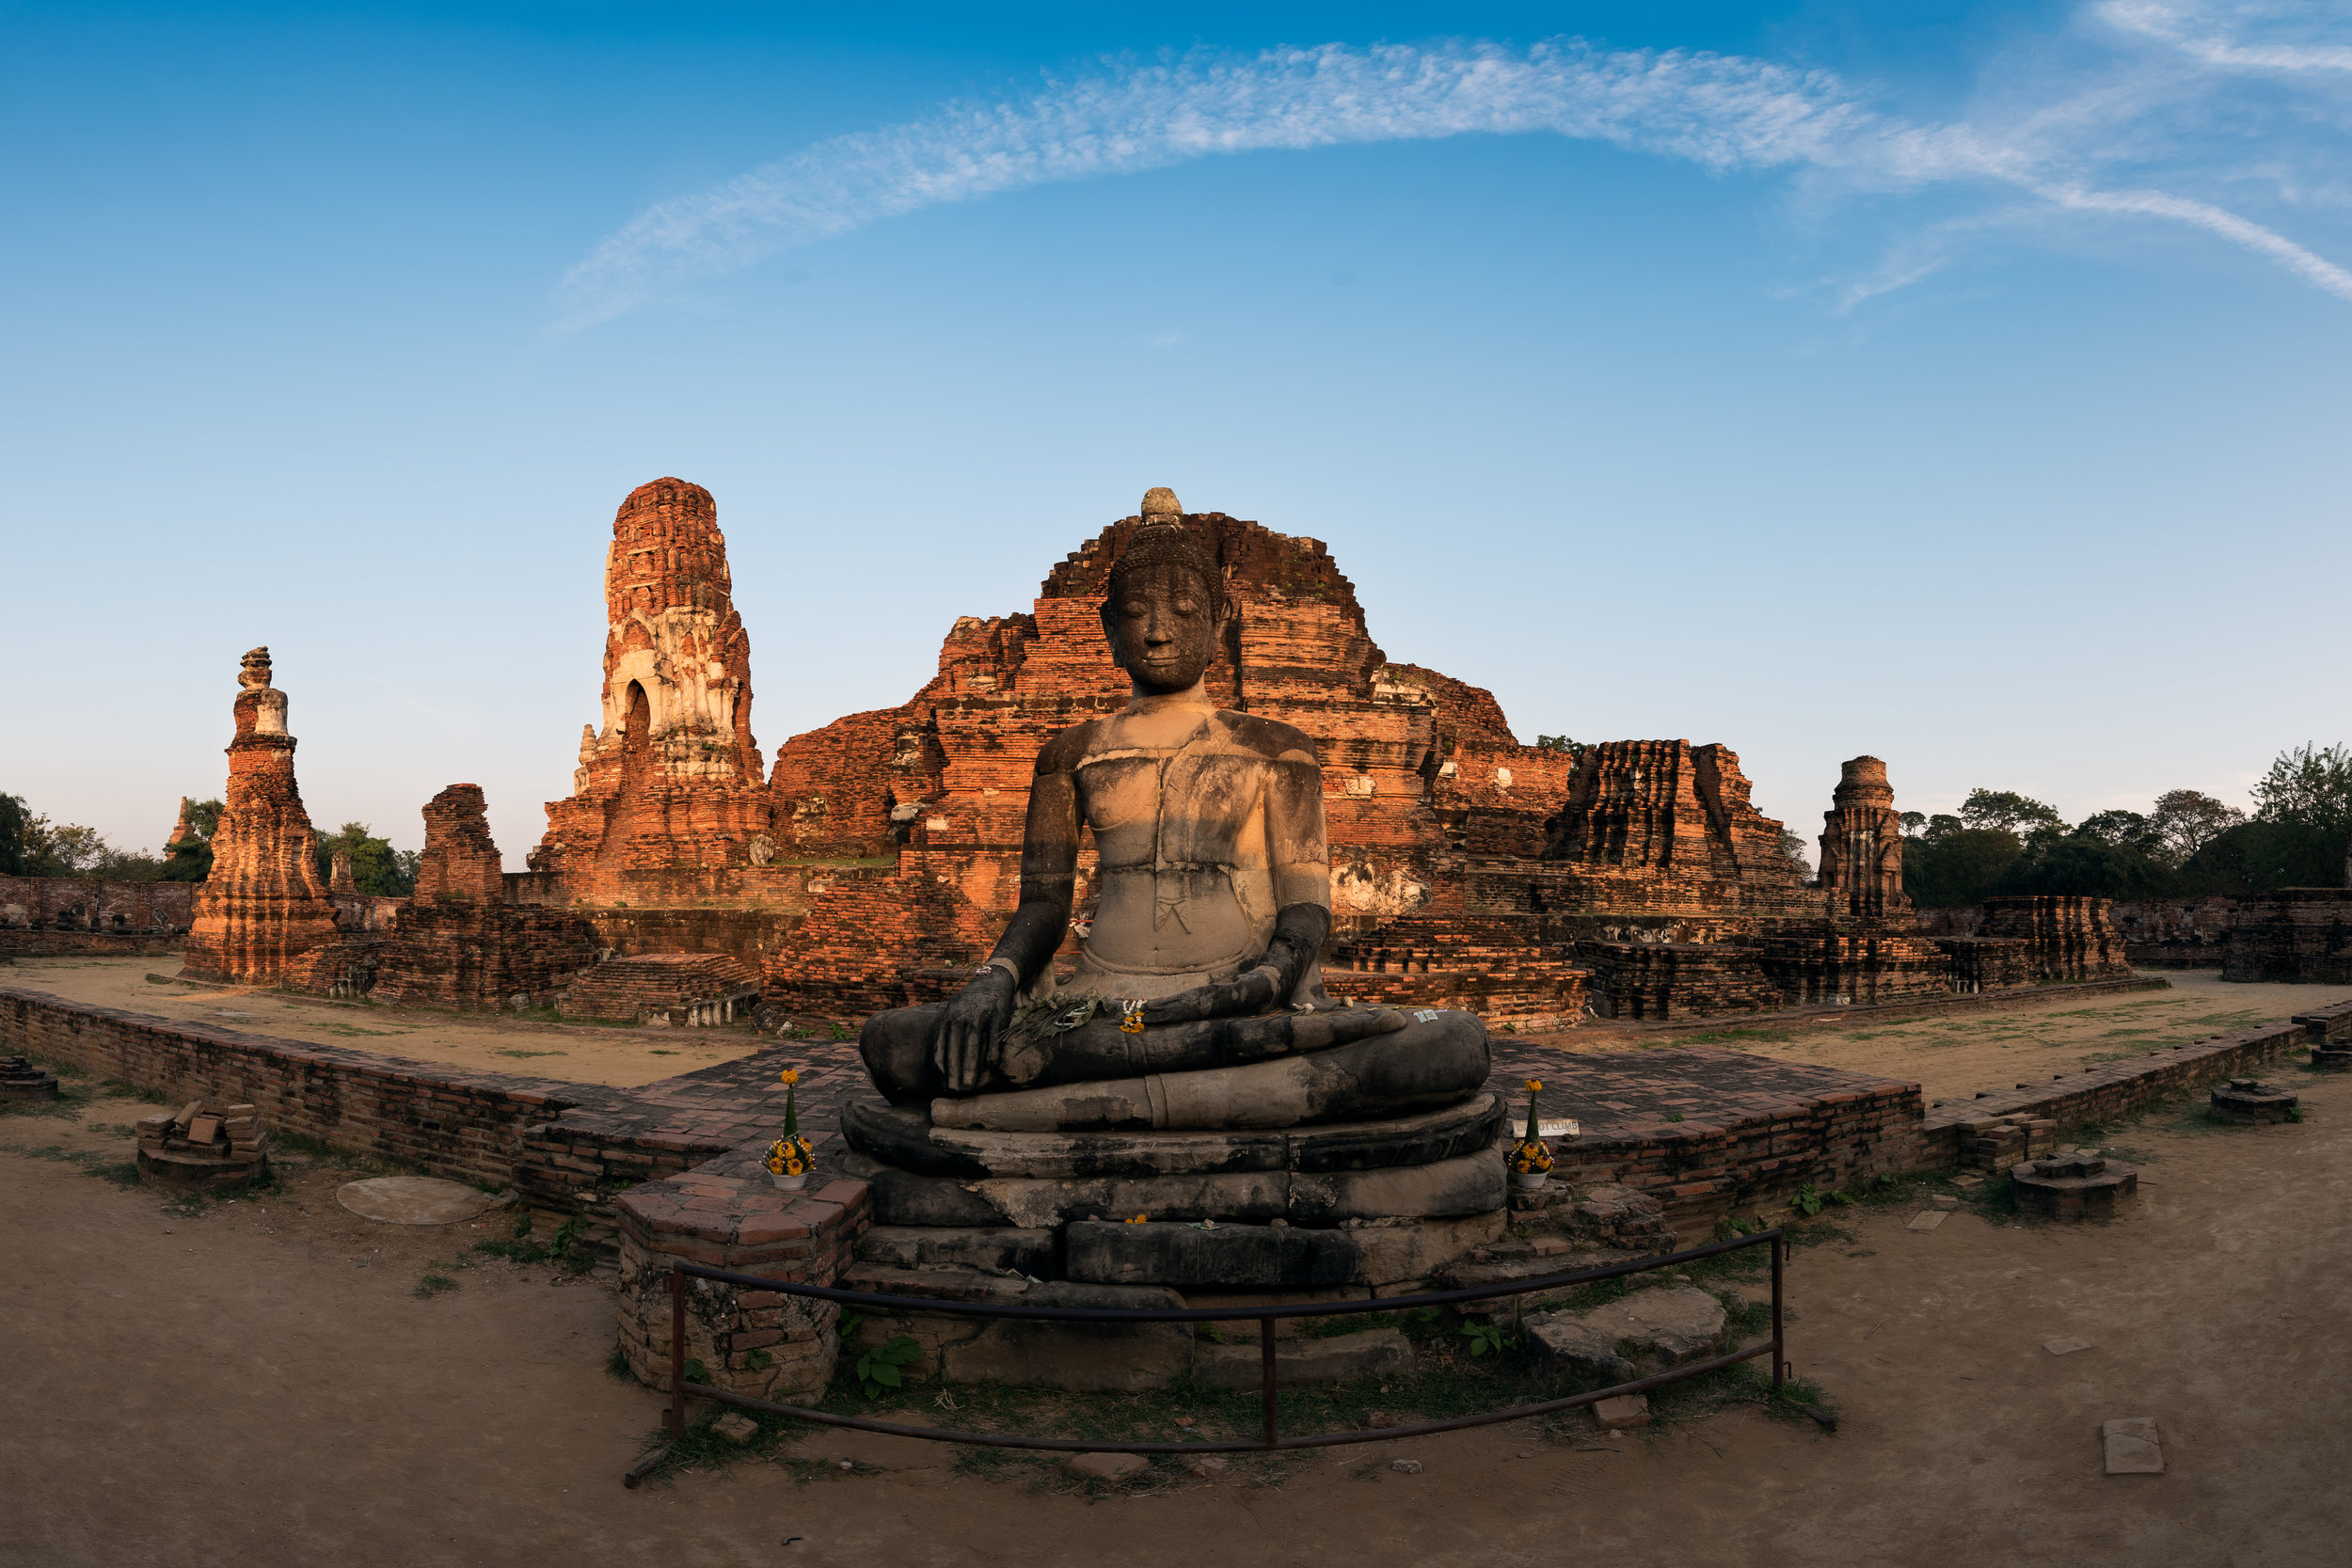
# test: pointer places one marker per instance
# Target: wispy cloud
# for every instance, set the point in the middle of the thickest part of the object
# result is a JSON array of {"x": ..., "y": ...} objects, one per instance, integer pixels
[
  {"x": 2195, "y": 31},
  {"x": 1725, "y": 113}
]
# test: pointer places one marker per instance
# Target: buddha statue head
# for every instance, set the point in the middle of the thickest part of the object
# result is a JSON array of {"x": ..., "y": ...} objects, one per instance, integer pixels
[{"x": 1165, "y": 608}]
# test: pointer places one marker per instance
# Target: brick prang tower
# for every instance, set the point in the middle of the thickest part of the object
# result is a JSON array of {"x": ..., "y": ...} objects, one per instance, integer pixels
[
  {"x": 671, "y": 781},
  {"x": 263, "y": 909}
]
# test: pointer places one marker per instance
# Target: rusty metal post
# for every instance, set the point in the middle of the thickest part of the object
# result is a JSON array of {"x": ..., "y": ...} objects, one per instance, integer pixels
[
  {"x": 1266, "y": 1379},
  {"x": 1780, "y": 1367},
  {"x": 677, "y": 1350}
]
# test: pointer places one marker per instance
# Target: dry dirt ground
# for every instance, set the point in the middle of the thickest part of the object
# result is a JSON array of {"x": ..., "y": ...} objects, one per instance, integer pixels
[
  {"x": 260, "y": 1383},
  {"x": 1955, "y": 1056},
  {"x": 584, "y": 1053}
]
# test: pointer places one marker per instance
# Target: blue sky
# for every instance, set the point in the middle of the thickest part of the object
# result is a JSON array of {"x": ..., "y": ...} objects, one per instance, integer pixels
[{"x": 1960, "y": 384}]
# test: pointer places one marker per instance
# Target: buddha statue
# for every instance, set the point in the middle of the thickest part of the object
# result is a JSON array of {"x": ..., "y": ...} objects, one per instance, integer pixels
[{"x": 1197, "y": 1001}]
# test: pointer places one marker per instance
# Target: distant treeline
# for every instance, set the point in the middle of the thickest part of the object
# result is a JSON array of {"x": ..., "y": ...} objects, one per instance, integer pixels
[
  {"x": 32, "y": 845},
  {"x": 2185, "y": 845}
]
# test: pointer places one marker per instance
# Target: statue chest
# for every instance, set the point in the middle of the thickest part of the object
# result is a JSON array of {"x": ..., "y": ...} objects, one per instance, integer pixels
[{"x": 1183, "y": 807}]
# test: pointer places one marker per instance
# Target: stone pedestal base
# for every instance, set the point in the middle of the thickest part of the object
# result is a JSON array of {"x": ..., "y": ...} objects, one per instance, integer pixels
[
  {"x": 2251, "y": 1100},
  {"x": 21, "y": 1080},
  {"x": 200, "y": 1172},
  {"x": 2073, "y": 1187}
]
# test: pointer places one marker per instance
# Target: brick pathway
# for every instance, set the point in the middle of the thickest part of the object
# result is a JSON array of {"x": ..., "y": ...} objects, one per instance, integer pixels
[{"x": 1611, "y": 1093}]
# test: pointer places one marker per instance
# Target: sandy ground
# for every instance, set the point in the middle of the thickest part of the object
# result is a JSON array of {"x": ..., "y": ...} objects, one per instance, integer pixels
[
  {"x": 259, "y": 1383},
  {"x": 582, "y": 1054},
  {"x": 1955, "y": 1057}
]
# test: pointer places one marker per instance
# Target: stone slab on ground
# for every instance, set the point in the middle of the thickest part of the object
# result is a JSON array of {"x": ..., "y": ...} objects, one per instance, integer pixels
[
  {"x": 2065, "y": 1347},
  {"x": 2133, "y": 1447},
  {"x": 1926, "y": 1220},
  {"x": 1650, "y": 1330},
  {"x": 884, "y": 1450},
  {"x": 736, "y": 1427},
  {"x": 1340, "y": 1358},
  {"x": 1625, "y": 1411},
  {"x": 416, "y": 1200},
  {"x": 1106, "y": 1466}
]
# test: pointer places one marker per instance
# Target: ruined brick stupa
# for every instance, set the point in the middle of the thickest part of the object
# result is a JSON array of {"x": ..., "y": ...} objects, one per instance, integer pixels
[
  {"x": 264, "y": 911},
  {"x": 671, "y": 782}
]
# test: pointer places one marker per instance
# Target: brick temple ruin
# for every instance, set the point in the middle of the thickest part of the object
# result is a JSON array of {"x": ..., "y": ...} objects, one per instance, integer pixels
[
  {"x": 878, "y": 860},
  {"x": 880, "y": 857}
]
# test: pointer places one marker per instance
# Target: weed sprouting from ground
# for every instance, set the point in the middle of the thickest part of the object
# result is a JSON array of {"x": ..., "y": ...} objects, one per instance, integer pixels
[
  {"x": 122, "y": 1173},
  {"x": 433, "y": 1284}
]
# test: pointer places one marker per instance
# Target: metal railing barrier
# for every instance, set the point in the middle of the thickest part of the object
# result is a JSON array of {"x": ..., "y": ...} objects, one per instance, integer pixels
[{"x": 674, "y": 1414}]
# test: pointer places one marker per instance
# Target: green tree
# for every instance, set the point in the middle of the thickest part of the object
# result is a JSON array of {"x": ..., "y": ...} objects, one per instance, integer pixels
[
  {"x": 1951, "y": 863},
  {"x": 2123, "y": 829},
  {"x": 190, "y": 859},
  {"x": 2301, "y": 825},
  {"x": 2087, "y": 862},
  {"x": 2186, "y": 822},
  {"x": 1575, "y": 749},
  {"x": 2006, "y": 810},
  {"x": 376, "y": 867},
  {"x": 16, "y": 820}
]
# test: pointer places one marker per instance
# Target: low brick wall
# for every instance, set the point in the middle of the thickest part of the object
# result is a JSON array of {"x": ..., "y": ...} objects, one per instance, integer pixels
[
  {"x": 466, "y": 1125},
  {"x": 2113, "y": 1090},
  {"x": 1882, "y": 1013},
  {"x": 1709, "y": 1132},
  {"x": 111, "y": 944}
]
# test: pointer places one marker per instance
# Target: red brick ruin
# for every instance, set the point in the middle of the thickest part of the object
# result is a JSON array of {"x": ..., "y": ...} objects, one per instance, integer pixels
[
  {"x": 881, "y": 858},
  {"x": 457, "y": 942},
  {"x": 1469, "y": 870},
  {"x": 667, "y": 804},
  {"x": 263, "y": 912}
]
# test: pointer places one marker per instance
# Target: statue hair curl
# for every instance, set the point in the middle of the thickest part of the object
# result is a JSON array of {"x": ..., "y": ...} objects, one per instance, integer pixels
[{"x": 1169, "y": 545}]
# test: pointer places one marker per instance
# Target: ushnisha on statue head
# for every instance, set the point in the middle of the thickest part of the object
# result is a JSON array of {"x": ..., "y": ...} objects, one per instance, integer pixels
[{"x": 1165, "y": 610}]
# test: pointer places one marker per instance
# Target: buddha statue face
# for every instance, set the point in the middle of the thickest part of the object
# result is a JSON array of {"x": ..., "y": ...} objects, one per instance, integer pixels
[{"x": 1162, "y": 621}]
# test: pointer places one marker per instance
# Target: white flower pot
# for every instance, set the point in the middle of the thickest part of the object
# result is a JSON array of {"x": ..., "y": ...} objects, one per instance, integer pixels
[
  {"x": 1530, "y": 1180},
  {"x": 789, "y": 1183}
]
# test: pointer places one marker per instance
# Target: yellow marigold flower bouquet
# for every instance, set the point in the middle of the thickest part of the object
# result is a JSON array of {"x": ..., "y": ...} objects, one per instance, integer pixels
[
  {"x": 1530, "y": 1157},
  {"x": 791, "y": 1157}
]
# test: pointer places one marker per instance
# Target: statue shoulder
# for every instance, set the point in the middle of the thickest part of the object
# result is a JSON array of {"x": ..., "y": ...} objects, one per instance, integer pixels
[
  {"x": 1270, "y": 737},
  {"x": 1066, "y": 748}
]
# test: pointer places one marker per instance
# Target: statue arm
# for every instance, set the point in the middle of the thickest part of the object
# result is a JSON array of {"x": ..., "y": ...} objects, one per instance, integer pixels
[{"x": 970, "y": 1036}]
